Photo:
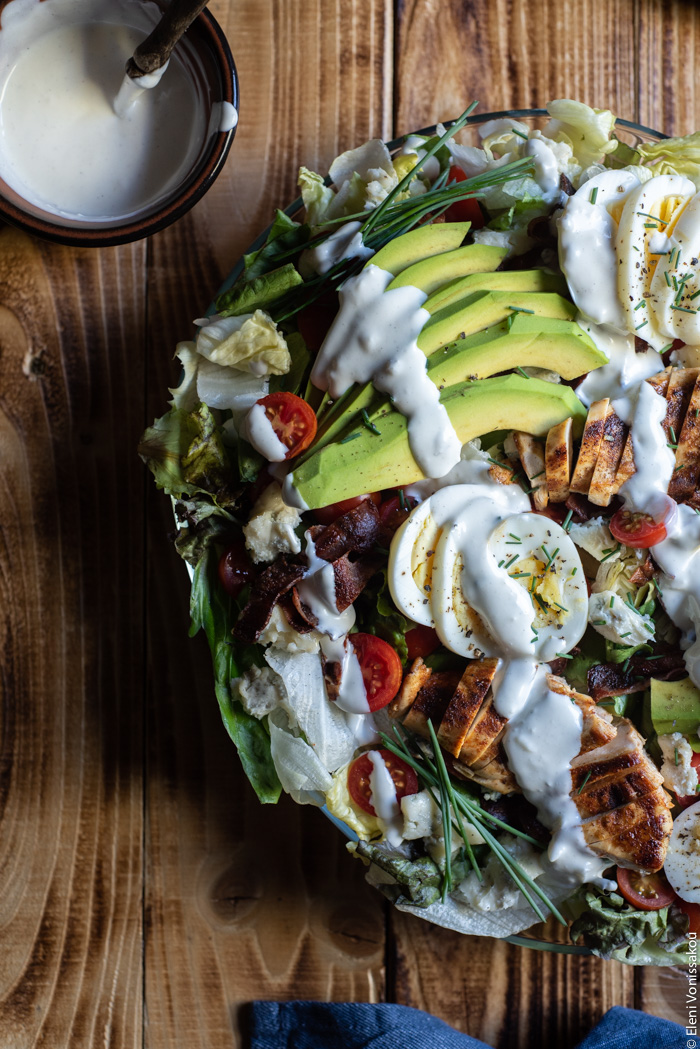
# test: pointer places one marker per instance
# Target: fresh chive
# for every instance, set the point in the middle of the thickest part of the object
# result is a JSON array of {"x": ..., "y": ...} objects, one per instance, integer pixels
[
  {"x": 534, "y": 476},
  {"x": 594, "y": 195},
  {"x": 608, "y": 553},
  {"x": 496, "y": 463},
  {"x": 626, "y": 665},
  {"x": 541, "y": 602},
  {"x": 641, "y": 325},
  {"x": 683, "y": 309},
  {"x": 402, "y": 499},
  {"x": 648, "y": 215},
  {"x": 369, "y": 424},
  {"x": 520, "y": 575},
  {"x": 520, "y": 134},
  {"x": 574, "y": 571},
  {"x": 564, "y": 655},
  {"x": 639, "y": 305},
  {"x": 612, "y": 601},
  {"x": 519, "y": 309},
  {"x": 626, "y": 633},
  {"x": 588, "y": 776},
  {"x": 562, "y": 607},
  {"x": 523, "y": 373},
  {"x": 501, "y": 562},
  {"x": 675, "y": 754},
  {"x": 512, "y": 560},
  {"x": 516, "y": 537},
  {"x": 668, "y": 279},
  {"x": 350, "y": 437},
  {"x": 566, "y": 524},
  {"x": 695, "y": 295},
  {"x": 666, "y": 348},
  {"x": 598, "y": 622}
]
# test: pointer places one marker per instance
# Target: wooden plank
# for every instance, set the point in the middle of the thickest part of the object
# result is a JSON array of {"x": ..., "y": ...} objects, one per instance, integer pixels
[
  {"x": 245, "y": 901},
  {"x": 504, "y": 994},
  {"x": 669, "y": 52},
  {"x": 513, "y": 54},
  {"x": 71, "y": 665}
]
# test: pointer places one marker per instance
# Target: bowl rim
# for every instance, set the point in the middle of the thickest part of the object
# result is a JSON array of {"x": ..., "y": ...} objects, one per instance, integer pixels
[
  {"x": 170, "y": 210},
  {"x": 396, "y": 143}
]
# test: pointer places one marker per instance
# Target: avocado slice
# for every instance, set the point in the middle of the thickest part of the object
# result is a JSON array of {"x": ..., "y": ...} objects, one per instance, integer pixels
[
  {"x": 434, "y": 272},
  {"x": 418, "y": 244},
  {"x": 535, "y": 342},
  {"x": 675, "y": 707},
  {"x": 369, "y": 462},
  {"x": 530, "y": 341},
  {"x": 483, "y": 309},
  {"x": 503, "y": 280}
]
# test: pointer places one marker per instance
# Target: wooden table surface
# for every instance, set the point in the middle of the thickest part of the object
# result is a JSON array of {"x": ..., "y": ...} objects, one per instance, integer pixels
[{"x": 144, "y": 893}]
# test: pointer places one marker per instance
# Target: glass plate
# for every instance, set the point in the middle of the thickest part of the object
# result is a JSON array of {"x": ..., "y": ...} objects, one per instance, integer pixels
[{"x": 626, "y": 131}]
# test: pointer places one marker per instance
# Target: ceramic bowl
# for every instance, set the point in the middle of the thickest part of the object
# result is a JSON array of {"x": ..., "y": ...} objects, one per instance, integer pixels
[{"x": 207, "y": 58}]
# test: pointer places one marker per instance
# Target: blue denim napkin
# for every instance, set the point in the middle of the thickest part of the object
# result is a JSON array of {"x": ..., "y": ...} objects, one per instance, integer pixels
[{"x": 353, "y": 1025}]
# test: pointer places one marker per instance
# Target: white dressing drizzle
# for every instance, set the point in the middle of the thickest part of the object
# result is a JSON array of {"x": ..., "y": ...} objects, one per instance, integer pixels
[
  {"x": 654, "y": 461},
  {"x": 352, "y": 695},
  {"x": 625, "y": 366},
  {"x": 541, "y": 740},
  {"x": 587, "y": 255},
  {"x": 546, "y": 167},
  {"x": 383, "y": 798},
  {"x": 258, "y": 430},
  {"x": 345, "y": 243},
  {"x": 373, "y": 339},
  {"x": 317, "y": 591}
]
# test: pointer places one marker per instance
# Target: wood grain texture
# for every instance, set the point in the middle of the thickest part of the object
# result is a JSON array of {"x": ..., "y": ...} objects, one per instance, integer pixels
[
  {"x": 125, "y": 822},
  {"x": 70, "y": 608},
  {"x": 512, "y": 54},
  {"x": 244, "y": 901}
]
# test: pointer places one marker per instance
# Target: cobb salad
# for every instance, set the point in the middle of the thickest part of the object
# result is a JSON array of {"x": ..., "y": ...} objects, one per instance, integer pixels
[{"x": 435, "y": 462}]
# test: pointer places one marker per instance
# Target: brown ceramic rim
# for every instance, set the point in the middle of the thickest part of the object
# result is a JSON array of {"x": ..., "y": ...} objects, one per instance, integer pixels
[{"x": 171, "y": 210}]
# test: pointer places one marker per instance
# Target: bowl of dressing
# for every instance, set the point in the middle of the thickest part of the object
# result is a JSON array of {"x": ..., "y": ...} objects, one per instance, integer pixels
[{"x": 82, "y": 162}]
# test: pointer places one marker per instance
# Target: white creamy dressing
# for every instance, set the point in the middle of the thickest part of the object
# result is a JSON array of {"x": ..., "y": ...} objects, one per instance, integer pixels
[
  {"x": 352, "y": 695},
  {"x": 383, "y": 798},
  {"x": 228, "y": 117},
  {"x": 317, "y": 591},
  {"x": 542, "y": 739},
  {"x": 133, "y": 87},
  {"x": 587, "y": 232},
  {"x": 546, "y": 167},
  {"x": 625, "y": 369},
  {"x": 259, "y": 431},
  {"x": 373, "y": 339},
  {"x": 62, "y": 146},
  {"x": 345, "y": 243},
  {"x": 645, "y": 411}
]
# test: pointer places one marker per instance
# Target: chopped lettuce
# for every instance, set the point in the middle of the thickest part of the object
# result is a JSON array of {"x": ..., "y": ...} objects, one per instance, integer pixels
[
  {"x": 212, "y": 611},
  {"x": 401, "y": 879},
  {"x": 588, "y": 131},
  {"x": 612, "y": 928},
  {"x": 674, "y": 156},
  {"x": 258, "y": 293},
  {"x": 317, "y": 196},
  {"x": 249, "y": 343},
  {"x": 285, "y": 236}
]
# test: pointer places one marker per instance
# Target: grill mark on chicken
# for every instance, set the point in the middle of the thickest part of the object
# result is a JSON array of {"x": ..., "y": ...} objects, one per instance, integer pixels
[{"x": 617, "y": 789}]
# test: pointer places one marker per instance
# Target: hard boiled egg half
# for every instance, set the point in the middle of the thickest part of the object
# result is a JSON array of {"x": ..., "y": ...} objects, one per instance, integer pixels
[
  {"x": 491, "y": 577},
  {"x": 630, "y": 251},
  {"x": 682, "y": 866}
]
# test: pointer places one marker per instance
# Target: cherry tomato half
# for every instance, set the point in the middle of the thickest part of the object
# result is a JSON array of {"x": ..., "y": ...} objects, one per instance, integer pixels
[
  {"x": 292, "y": 419},
  {"x": 394, "y": 511},
  {"x": 329, "y": 514},
  {"x": 421, "y": 641},
  {"x": 236, "y": 569},
  {"x": 381, "y": 669},
  {"x": 405, "y": 779},
  {"x": 637, "y": 529},
  {"x": 468, "y": 210},
  {"x": 693, "y": 912},
  {"x": 646, "y": 892}
]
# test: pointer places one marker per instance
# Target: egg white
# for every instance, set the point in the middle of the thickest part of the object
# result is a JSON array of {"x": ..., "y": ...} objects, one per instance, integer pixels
[{"x": 682, "y": 867}]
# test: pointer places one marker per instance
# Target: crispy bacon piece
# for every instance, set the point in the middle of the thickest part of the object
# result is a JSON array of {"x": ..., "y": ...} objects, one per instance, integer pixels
[
  {"x": 269, "y": 587},
  {"x": 355, "y": 532},
  {"x": 619, "y": 679},
  {"x": 351, "y": 577}
]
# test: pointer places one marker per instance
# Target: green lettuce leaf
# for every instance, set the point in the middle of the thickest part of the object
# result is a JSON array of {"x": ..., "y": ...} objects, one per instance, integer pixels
[
  {"x": 316, "y": 195},
  {"x": 587, "y": 130},
  {"x": 205, "y": 465},
  {"x": 212, "y": 611},
  {"x": 162, "y": 448},
  {"x": 295, "y": 378},
  {"x": 377, "y": 614},
  {"x": 203, "y": 523},
  {"x": 285, "y": 235},
  {"x": 258, "y": 293},
  {"x": 674, "y": 156},
  {"x": 613, "y": 928}
]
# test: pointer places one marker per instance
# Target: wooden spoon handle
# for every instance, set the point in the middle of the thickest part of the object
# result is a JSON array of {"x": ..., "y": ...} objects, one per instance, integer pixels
[{"x": 155, "y": 50}]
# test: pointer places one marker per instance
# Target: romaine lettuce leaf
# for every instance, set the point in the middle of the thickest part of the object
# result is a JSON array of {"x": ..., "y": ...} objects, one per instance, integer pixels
[
  {"x": 212, "y": 611},
  {"x": 258, "y": 293},
  {"x": 248, "y": 343},
  {"x": 285, "y": 235},
  {"x": 613, "y": 928},
  {"x": 587, "y": 130}
]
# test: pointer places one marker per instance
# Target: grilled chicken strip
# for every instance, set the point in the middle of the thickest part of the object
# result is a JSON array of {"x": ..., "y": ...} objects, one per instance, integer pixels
[{"x": 617, "y": 789}]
